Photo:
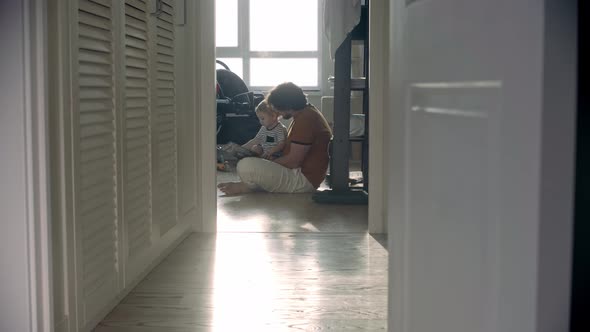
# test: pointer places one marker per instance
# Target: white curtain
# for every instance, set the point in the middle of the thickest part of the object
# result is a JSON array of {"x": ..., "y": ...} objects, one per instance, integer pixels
[{"x": 340, "y": 17}]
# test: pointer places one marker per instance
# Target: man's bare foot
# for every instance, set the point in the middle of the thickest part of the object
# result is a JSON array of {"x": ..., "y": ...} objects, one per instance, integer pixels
[{"x": 234, "y": 188}]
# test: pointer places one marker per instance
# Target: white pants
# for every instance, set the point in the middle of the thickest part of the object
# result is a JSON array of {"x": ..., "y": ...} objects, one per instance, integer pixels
[{"x": 259, "y": 173}]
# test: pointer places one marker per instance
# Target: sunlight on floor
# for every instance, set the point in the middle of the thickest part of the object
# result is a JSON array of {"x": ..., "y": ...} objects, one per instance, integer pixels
[
  {"x": 249, "y": 299},
  {"x": 268, "y": 212}
]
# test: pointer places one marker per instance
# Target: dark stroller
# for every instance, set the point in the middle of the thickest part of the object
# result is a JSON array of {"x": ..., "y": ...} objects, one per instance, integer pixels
[{"x": 236, "y": 118}]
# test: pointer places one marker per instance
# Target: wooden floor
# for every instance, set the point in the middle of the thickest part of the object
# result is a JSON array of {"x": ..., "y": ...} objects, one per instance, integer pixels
[{"x": 278, "y": 263}]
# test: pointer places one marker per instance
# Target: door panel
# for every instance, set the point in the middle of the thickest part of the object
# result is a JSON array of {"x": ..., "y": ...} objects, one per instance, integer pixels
[
  {"x": 450, "y": 166},
  {"x": 137, "y": 189},
  {"x": 166, "y": 175},
  {"x": 479, "y": 210},
  {"x": 96, "y": 159}
]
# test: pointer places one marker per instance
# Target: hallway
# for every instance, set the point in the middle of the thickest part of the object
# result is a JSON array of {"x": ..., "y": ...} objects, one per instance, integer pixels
[{"x": 278, "y": 263}]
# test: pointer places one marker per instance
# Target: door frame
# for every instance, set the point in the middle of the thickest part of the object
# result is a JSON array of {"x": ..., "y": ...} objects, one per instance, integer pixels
[
  {"x": 378, "y": 61},
  {"x": 27, "y": 56},
  {"x": 37, "y": 149},
  {"x": 378, "y": 106},
  {"x": 205, "y": 98}
]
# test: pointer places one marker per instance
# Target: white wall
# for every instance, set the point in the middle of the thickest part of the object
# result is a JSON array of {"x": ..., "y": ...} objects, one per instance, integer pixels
[
  {"x": 14, "y": 287},
  {"x": 24, "y": 240}
]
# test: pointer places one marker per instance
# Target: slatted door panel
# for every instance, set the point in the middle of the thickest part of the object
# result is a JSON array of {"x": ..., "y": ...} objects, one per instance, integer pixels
[
  {"x": 96, "y": 175},
  {"x": 137, "y": 134},
  {"x": 165, "y": 117}
]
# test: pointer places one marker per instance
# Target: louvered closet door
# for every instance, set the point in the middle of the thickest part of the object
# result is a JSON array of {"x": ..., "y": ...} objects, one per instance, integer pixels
[
  {"x": 165, "y": 121},
  {"x": 95, "y": 159},
  {"x": 137, "y": 213}
]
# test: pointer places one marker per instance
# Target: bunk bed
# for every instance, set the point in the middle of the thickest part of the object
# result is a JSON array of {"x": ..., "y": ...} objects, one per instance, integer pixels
[{"x": 341, "y": 191}]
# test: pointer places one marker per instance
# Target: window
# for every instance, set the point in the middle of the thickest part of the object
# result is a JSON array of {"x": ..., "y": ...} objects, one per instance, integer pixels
[{"x": 267, "y": 42}]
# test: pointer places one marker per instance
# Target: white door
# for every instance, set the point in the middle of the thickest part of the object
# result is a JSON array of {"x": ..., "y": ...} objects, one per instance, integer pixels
[{"x": 483, "y": 105}]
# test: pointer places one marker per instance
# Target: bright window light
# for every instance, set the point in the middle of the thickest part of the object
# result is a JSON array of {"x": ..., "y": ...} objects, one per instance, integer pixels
[
  {"x": 267, "y": 42},
  {"x": 269, "y": 72},
  {"x": 283, "y": 25},
  {"x": 226, "y": 23}
]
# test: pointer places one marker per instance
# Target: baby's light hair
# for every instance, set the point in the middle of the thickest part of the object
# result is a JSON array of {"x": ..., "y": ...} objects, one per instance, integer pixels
[{"x": 264, "y": 107}]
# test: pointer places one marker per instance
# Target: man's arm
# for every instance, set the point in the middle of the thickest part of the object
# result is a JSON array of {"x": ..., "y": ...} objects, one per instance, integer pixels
[{"x": 295, "y": 157}]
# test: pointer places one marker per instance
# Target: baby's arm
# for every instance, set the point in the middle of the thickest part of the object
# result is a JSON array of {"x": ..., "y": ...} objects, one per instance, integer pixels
[
  {"x": 251, "y": 143},
  {"x": 255, "y": 141},
  {"x": 277, "y": 148},
  {"x": 281, "y": 139}
]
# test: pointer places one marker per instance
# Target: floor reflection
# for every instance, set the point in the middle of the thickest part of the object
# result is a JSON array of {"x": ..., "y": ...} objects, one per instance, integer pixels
[{"x": 261, "y": 282}]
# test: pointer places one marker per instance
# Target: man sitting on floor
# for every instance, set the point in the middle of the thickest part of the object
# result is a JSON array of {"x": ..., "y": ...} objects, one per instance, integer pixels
[{"x": 304, "y": 162}]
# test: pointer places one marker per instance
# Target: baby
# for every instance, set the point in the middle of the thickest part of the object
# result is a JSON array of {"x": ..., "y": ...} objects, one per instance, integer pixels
[{"x": 270, "y": 140}]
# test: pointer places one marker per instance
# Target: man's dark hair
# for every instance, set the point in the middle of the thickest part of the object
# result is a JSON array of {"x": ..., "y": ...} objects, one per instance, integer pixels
[{"x": 287, "y": 96}]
